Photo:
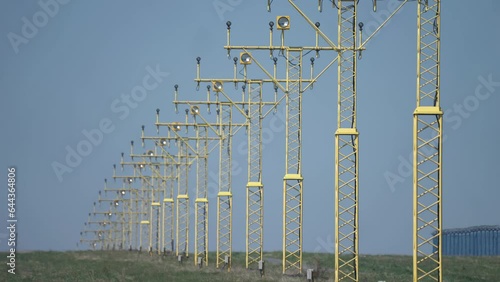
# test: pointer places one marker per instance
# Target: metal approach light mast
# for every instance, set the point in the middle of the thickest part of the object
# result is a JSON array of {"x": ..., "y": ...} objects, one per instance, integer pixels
[
  {"x": 253, "y": 117},
  {"x": 346, "y": 147},
  {"x": 427, "y": 147},
  {"x": 254, "y": 191},
  {"x": 292, "y": 182},
  {"x": 223, "y": 129}
]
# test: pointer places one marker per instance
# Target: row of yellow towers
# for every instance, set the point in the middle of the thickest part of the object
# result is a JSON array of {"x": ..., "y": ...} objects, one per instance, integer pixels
[{"x": 144, "y": 212}]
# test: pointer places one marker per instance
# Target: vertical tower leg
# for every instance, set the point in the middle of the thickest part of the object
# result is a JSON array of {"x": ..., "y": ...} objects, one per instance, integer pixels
[
  {"x": 292, "y": 182},
  {"x": 168, "y": 201},
  {"x": 254, "y": 197},
  {"x": 224, "y": 197},
  {"x": 346, "y": 149},
  {"x": 427, "y": 146},
  {"x": 201, "y": 220},
  {"x": 182, "y": 226}
]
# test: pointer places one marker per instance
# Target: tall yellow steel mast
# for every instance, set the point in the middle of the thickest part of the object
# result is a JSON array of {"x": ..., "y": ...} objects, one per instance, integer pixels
[
  {"x": 201, "y": 202},
  {"x": 427, "y": 147},
  {"x": 200, "y": 152},
  {"x": 225, "y": 196},
  {"x": 224, "y": 128},
  {"x": 255, "y": 188},
  {"x": 168, "y": 178},
  {"x": 346, "y": 147},
  {"x": 182, "y": 204},
  {"x": 292, "y": 182}
]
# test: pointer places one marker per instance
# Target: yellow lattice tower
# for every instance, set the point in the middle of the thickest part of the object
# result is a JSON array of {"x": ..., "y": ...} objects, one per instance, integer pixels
[
  {"x": 195, "y": 151},
  {"x": 346, "y": 136},
  {"x": 255, "y": 187},
  {"x": 253, "y": 115},
  {"x": 198, "y": 146},
  {"x": 167, "y": 162},
  {"x": 427, "y": 147},
  {"x": 157, "y": 167},
  {"x": 125, "y": 196},
  {"x": 143, "y": 200},
  {"x": 223, "y": 129},
  {"x": 113, "y": 203},
  {"x": 292, "y": 87},
  {"x": 96, "y": 231},
  {"x": 346, "y": 147}
]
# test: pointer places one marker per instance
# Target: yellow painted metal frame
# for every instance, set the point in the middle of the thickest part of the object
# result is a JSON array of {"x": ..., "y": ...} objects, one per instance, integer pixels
[
  {"x": 292, "y": 181},
  {"x": 346, "y": 148},
  {"x": 255, "y": 188},
  {"x": 224, "y": 197},
  {"x": 182, "y": 204},
  {"x": 427, "y": 147},
  {"x": 201, "y": 202}
]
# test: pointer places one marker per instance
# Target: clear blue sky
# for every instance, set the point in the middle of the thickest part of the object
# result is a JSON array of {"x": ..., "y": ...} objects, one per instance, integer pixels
[{"x": 69, "y": 74}]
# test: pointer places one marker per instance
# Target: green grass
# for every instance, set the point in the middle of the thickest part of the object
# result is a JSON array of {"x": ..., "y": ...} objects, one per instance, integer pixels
[{"x": 133, "y": 266}]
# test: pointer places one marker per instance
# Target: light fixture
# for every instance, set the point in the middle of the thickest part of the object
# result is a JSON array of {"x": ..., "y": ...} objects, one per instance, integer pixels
[
  {"x": 218, "y": 86},
  {"x": 141, "y": 165},
  {"x": 110, "y": 214},
  {"x": 283, "y": 22},
  {"x": 245, "y": 58},
  {"x": 195, "y": 110},
  {"x": 176, "y": 126},
  {"x": 150, "y": 153},
  {"x": 130, "y": 180},
  {"x": 123, "y": 192},
  {"x": 163, "y": 142},
  {"x": 117, "y": 203}
]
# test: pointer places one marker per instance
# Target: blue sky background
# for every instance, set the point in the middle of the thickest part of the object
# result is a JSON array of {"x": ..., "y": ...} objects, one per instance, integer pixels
[{"x": 66, "y": 78}]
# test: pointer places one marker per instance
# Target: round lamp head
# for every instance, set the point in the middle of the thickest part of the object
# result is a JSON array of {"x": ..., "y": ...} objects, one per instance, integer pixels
[
  {"x": 218, "y": 86},
  {"x": 283, "y": 22},
  {"x": 176, "y": 126},
  {"x": 195, "y": 110},
  {"x": 150, "y": 153},
  {"x": 245, "y": 58},
  {"x": 163, "y": 142}
]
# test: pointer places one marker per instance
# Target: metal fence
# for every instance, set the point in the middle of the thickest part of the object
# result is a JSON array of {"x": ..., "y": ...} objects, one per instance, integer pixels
[{"x": 472, "y": 241}]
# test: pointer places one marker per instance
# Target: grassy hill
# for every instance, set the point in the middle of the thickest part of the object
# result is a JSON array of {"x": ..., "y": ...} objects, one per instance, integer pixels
[{"x": 133, "y": 266}]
